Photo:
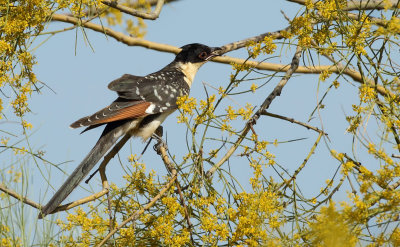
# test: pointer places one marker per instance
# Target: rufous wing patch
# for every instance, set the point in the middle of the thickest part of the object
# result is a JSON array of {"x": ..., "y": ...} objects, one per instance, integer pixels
[
  {"x": 104, "y": 116},
  {"x": 130, "y": 112}
]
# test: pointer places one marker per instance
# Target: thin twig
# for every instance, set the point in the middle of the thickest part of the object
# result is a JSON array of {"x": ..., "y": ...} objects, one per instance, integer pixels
[
  {"x": 14, "y": 194},
  {"x": 354, "y": 191},
  {"x": 286, "y": 183},
  {"x": 151, "y": 16},
  {"x": 293, "y": 121}
]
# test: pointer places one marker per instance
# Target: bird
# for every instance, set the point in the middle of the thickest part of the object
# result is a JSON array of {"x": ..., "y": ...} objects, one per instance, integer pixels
[{"x": 143, "y": 103}]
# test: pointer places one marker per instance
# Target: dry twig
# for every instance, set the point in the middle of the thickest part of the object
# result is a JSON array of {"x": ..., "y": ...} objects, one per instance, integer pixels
[
  {"x": 293, "y": 121},
  {"x": 151, "y": 16},
  {"x": 19, "y": 197}
]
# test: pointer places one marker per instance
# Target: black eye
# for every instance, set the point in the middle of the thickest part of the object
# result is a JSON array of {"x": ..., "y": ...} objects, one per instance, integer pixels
[{"x": 203, "y": 55}]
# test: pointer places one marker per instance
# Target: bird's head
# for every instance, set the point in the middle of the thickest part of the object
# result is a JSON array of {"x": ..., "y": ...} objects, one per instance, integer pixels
[
  {"x": 196, "y": 53},
  {"x": 192, "y": 57}
]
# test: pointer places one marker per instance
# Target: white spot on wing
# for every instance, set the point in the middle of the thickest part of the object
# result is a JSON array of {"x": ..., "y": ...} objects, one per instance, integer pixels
[
  {"x": 150, "y": 109},
  {"x": 157, "y": 95}
]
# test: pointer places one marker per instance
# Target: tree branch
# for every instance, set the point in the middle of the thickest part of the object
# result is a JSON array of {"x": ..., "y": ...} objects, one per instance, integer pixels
[
  {"x": 131, "y": 41},
  {"x": 19, "y": 197},
  {"x": 357, "y": 4},
  {"x": 151, "y": 16},
  {"x": 293, "y": 121}
]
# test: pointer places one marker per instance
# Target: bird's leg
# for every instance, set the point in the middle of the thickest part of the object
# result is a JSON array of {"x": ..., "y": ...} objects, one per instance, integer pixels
[{"x": 160, "y": 142}]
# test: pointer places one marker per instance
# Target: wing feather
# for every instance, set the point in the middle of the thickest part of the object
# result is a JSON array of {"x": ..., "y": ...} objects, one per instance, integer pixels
[{"x": 114, "y": 112}]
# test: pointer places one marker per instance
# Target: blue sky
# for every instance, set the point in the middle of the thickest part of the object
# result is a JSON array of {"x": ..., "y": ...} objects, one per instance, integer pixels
[{"x": 78, "y": 82}]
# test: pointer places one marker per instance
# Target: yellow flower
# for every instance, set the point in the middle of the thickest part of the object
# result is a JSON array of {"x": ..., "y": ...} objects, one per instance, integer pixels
[
  {"x": 253, "y": 87},
  {"x": 4, "y": 141},
  {"x": 230, "y": 113},
  {"x": 325, "y": 75},
  {"x": 26, "y": 125},
  {"x": 331, "y": 229},
  {"x": 336, "y": 84}
]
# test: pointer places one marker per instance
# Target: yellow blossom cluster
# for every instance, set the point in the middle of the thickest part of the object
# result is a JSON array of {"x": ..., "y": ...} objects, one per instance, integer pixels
[
  {"x": 302, "y": 27},
  {"x": 20, "y": 22},
  {"x": 256, "y": 212},
  {"x": 329, "y": 9},
  {"x": 367, "y": 94},
  {"x": 325, "y": 75},
  {"x": 332, "y": 228},
  {"x": 232, "y": 114},
  {"x": 7, "y": 239},
  {"x": 23, "y": 20},
  {"x": 163, "y": 229},
  {"x": 356, "y": 34},
  {"x": 266, "y": 46},
  {"x": 93, "y": 226},
  {"x": 186, "y": 105},
  {"x": 15, "y": 174},
  {"x": 206, "y": 110}
]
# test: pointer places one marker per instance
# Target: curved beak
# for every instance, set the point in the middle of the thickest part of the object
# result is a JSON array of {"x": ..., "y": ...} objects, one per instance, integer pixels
[{"x": 215, "y": 51}]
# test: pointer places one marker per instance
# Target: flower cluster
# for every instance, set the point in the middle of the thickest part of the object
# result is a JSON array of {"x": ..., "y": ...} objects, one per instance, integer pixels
[{"x": 267, "y": 46}]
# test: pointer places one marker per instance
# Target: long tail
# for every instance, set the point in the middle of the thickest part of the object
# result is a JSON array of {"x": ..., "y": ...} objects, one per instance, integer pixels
[{"x": 110, "y": 135}]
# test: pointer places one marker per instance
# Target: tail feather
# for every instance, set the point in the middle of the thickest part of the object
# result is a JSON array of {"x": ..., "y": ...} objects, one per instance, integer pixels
[{"x": 110, "y": 135}]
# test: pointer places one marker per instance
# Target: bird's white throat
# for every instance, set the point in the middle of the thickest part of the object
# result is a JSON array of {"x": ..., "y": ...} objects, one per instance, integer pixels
[{"x": 189, "y": 70}]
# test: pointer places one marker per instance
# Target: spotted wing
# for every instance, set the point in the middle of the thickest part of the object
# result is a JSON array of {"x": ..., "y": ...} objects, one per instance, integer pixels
[
  {"x": 139, "y": 97},
  {"x": 161, "y": 88}
]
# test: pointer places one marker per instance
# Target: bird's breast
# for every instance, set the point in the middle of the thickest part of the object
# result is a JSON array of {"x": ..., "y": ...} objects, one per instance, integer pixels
[{"x": 149, "y": 124}]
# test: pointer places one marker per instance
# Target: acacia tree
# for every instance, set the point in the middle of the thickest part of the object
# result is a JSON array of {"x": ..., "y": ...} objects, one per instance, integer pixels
[{"x": 201, "y": 201}]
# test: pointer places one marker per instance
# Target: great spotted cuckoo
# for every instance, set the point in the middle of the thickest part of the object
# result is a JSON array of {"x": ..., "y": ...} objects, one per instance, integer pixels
[{"x": 143, "y": 103}]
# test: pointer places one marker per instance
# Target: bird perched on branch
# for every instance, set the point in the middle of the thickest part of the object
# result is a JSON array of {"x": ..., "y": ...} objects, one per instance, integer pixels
[{"x": 143, "y": 103}]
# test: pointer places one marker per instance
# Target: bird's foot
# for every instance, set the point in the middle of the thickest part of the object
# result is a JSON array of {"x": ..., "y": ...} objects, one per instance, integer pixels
[{"x": 160, "y": 143}]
